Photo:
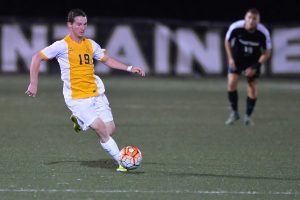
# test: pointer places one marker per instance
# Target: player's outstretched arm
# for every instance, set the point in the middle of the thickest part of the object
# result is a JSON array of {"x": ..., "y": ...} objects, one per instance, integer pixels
[
  {"x": 34, "y": 74},
  {"x": 113, "y": 63}
]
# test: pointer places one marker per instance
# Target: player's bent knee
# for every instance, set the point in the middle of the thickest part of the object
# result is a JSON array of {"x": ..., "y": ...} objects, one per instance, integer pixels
[
  {"x": 100, "y": 128},
  {"x": 232, "y": 86},
  {"x": 251, "y": 79},
  {"x": 103, "y": 134},
  {"x": 112, "y": 131},
  {"x": 111, "y": 127}
]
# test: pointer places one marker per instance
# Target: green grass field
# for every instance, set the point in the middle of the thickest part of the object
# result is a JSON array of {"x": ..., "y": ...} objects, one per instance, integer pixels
[{"x": 188, "y": 152}]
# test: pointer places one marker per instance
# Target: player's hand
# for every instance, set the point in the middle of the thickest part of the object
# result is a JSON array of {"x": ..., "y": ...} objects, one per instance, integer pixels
[
  {"x": 231, "y": 63},
  {"x": 138, "y": 70},
  {"x": 250, "y": 72},
  {"x": 32, "y": 90}
]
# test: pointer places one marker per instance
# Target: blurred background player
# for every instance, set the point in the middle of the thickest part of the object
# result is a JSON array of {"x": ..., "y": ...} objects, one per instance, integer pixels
[
  {"x": 83, "y": 90},
  {"x": 248, "y": 46}
]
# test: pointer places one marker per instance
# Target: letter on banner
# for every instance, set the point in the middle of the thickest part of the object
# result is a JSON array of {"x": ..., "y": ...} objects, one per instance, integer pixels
[
  {"x": 286, "y": 52},
  {"x": 15, "y": 45},
  {"x": 162, "y": 49},
  {"x": 206, "y": 53},
  {"x": 124, "y": 46}
]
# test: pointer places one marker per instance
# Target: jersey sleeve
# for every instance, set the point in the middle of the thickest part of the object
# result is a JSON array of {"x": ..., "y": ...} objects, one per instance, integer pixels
[
  {"x": 267, "y": 43},
  {"x": 230, "y": 33},
  {"x": 53, "y": 50},
  {"x": 99, "y": 53}
]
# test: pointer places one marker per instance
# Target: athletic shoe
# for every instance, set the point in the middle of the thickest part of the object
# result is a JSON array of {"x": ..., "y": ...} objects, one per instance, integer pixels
[
  {"x": 76, "y": 126},
  {"x": 121, "y": 169},
  {"x": 234, "y": 116},
  {"x": 248, "y": 121}
]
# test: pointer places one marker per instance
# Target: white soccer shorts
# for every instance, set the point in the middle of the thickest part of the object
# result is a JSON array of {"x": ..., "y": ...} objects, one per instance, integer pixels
[{"x": 89, "y": 109}]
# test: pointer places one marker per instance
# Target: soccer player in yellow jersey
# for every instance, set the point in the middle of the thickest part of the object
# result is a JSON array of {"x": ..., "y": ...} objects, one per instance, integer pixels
[{"x": 83, "y": 90}]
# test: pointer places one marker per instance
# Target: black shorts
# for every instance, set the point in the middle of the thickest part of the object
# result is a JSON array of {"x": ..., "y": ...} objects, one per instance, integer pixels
[{"x": 239, "y": 69}]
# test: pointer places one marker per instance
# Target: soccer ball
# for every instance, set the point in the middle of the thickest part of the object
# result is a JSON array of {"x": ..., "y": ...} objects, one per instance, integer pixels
[{"x": 130, "y": 157}]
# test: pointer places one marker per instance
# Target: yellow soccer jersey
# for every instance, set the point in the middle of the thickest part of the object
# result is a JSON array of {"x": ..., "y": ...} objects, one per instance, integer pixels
[{"x": 76, "y": 65}]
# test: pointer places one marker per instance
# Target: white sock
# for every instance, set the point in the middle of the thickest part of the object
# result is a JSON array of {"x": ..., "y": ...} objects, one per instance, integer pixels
[{"x": 111, "y": 148}]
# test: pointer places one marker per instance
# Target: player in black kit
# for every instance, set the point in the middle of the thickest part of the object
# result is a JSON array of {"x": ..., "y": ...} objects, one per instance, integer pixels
[{"x": 248, "y": 46}]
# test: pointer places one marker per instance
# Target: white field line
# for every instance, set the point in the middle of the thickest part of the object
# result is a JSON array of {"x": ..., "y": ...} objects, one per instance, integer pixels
[{"x": 212, "y": 192}]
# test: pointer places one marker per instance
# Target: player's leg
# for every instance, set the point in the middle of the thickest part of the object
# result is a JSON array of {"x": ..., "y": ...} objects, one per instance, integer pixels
[
  {"x": 104, "y": 130},
  {"x": 112, "y": 148},
  {"x": 232, "y": 97},
  {"x": 251, "y": 100},
  {"x": 93, "y": 113},
  {"x": 252, "y": 89},
  {"x": 232, "y": 91},
  {"x": 111, "y": 127},
  {"x": 106, "y": 141},
  {"x": 100, "y": 129},
  {"x": 104, "y": 112},
  {"x": 251, "y": 97}
]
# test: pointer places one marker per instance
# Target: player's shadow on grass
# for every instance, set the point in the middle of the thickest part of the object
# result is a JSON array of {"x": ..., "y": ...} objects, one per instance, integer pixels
[
  {"x": 102, "y": 163},
  {"x": 231, "y": 176}
]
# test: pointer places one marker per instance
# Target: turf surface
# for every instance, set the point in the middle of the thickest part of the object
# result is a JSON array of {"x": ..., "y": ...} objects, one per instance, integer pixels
[{"x": 178, "y": 123}]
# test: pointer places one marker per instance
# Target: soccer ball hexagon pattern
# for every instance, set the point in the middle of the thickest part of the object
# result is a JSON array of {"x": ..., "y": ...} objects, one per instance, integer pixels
[{"x": 130, "y": 157}]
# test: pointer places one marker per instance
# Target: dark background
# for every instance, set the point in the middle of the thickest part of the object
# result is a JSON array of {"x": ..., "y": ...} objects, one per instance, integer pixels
[{"x": 186, "y": 10}]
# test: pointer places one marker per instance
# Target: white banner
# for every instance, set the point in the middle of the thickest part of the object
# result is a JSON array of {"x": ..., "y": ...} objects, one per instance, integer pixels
[
  {"x": 160, "y": 49},
  {"x": 286, "y": 52}
]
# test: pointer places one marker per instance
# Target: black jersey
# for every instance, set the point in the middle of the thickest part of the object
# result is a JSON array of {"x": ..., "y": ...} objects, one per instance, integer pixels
[{"x": 247, "y": 47}]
